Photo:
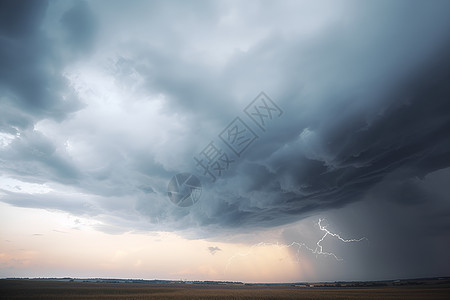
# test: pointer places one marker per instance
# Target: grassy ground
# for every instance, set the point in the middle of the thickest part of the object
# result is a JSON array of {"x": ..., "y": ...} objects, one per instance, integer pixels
[{"x": 22, "y": 289}]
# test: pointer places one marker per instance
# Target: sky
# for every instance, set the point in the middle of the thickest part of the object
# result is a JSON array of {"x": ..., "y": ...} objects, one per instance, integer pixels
[{"x": 312, "y": 138}]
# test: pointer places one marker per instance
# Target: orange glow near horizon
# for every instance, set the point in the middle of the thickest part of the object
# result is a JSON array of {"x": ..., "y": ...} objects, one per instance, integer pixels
[{"x": 40, "y": 243}]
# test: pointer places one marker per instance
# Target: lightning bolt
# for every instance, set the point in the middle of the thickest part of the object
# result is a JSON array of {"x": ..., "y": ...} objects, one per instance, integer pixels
[{"x": 318, "y": 250}]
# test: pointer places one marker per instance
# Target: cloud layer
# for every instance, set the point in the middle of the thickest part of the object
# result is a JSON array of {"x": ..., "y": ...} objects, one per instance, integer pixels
[{"x": 102, "y": 103}]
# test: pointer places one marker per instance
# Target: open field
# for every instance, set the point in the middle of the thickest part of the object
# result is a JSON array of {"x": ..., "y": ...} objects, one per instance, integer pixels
[{"x": 24, "y": 289}]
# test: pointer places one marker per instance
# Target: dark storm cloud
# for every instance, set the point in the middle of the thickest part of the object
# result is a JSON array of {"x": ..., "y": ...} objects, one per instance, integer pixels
[
  {"x": 364, "y": 96},
  {"x": 33, "y": 88},
  {"x": 31, "y": 81},
  {"x": 408, "y": 233},
  {"x": 21, "y": 18},
  {"x": 361, "y": 103},
  {"x": 352, "y": 155}
]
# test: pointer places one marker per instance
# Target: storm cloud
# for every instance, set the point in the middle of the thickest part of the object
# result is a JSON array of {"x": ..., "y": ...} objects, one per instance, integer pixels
[{"x": 103, "y": 102}]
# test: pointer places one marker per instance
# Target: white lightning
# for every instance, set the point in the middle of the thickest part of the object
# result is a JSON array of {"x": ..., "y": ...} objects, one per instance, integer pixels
[
  {"x": 317, "y": 251},
  {"x": 327, "y": 232}
]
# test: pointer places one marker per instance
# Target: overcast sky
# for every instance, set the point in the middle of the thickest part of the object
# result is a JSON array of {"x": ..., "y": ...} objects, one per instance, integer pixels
[{"x": 103, "y": 102}]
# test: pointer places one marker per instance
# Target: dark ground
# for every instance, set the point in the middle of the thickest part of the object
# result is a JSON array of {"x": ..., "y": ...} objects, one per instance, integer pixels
[{"x": 34, "y": 289}]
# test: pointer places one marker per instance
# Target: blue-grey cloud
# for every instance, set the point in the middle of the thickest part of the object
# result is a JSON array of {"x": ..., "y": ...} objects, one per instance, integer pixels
[
  {"x": 31, "y": 80},
  {"x": 80, "y": 27}
]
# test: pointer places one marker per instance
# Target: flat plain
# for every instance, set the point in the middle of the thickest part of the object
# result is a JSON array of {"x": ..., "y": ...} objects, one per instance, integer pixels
[{"x": 32, "y": 289}]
